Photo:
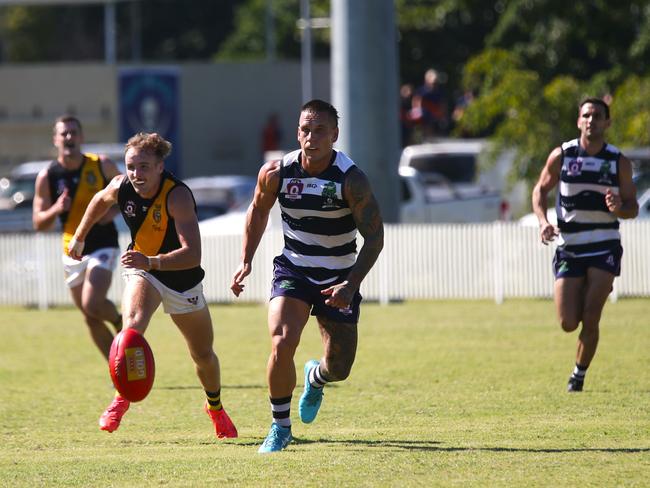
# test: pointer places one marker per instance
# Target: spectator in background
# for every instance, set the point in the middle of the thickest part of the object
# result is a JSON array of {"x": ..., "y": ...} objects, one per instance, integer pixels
[
  {"x": 462, "y": 102},
  {"x": 62, "y": 191},
  {"x": 429, "y": 108},
  {"x": 406, "y": 103},
  {"x": 271, "y": 135}
]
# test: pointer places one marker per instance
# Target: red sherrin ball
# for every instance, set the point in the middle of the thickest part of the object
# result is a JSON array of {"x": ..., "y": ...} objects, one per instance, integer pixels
[{"x": 131, "y": 365}]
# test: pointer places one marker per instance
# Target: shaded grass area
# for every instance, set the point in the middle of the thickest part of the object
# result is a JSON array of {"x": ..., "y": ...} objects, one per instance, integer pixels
[{"x": 443, "y": 393}]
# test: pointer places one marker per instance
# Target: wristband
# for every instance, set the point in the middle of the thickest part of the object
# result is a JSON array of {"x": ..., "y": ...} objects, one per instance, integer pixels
[{"x": 154, "y": 262}]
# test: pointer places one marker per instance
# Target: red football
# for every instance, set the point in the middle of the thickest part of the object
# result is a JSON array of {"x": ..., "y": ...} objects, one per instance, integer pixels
[{"x": 131, "y": 365}]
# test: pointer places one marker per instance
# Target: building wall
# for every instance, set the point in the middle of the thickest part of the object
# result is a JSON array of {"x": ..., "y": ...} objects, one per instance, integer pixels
[{"x": 223, "y": 109}]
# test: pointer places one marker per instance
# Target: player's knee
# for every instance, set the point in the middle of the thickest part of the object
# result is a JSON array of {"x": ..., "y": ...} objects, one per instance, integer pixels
[
  {"x": 338, "y": 372},
  {"x": 134, "y": 320},
  {"x": 569, "y": 324},
  {"x": 284, "y": 346},
  {"x": 589, "y": 333},
  {"x": 204, "y": 358},
  {"x": 92, "y": 309}
]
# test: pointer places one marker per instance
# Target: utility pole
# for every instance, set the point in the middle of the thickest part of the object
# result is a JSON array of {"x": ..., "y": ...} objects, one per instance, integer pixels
[{"x": 366, "y": 93}]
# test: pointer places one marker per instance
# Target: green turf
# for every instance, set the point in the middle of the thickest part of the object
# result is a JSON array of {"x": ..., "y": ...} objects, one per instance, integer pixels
[{"x": 443, "y": 393}]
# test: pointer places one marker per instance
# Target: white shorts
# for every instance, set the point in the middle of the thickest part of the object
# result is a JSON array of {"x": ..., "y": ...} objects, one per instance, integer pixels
[
  {"x": 75, "y": 271},
  {"x": 174, "y": 302}
]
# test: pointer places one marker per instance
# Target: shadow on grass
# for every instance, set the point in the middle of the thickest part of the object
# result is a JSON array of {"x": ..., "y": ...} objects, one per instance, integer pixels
[
  {"x": 433, "y": 446},
  {"x": 225, "y": 387},
  {"x": 424, "y": 446}
]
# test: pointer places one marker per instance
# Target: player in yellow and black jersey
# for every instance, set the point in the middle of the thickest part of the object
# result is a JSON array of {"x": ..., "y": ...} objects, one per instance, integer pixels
[
  {"x": 162, "y": 264},
  {"x": 63, "y": 190}
]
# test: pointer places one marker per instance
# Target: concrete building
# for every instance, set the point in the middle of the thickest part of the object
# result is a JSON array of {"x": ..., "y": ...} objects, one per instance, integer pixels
[{"x": 222, "y": 108}]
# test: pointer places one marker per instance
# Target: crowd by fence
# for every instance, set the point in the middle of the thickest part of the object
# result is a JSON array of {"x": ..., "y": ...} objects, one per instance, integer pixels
[{"x": 495, "y": 261}]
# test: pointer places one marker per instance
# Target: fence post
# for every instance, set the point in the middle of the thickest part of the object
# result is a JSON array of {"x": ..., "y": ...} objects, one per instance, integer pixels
[
  {"x": 497, "y": 247},
  {"x": 41, "y": 271}
]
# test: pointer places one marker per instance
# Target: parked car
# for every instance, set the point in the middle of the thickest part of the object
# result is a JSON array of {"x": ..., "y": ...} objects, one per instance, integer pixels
[
  {"x": 217, "y": 195},
  {"x": 640, "y": 158},
  {"x": 457, "y": 169},
  {"x": 17, "y": 188},
  {"x": 435, "y": 199}
]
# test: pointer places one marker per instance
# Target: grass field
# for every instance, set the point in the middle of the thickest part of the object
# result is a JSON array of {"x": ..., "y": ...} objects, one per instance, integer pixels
[{"x": 443, "y": 393}]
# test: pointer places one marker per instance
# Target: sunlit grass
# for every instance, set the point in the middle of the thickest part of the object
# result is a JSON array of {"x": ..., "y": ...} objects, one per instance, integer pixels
[{"x": 442, "y": 393}]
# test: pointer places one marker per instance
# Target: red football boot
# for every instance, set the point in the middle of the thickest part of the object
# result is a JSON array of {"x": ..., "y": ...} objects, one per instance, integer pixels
[
  {"x": 110, "y": 419},
  {"x": 223, "y": 426}
]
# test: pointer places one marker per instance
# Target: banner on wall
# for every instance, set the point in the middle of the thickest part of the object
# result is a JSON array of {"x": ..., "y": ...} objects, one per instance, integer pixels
[{"x": 149, "y": 100}]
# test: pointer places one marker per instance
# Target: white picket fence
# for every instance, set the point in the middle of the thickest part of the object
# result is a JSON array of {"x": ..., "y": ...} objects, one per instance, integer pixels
[{"x": 470, "y": 261}]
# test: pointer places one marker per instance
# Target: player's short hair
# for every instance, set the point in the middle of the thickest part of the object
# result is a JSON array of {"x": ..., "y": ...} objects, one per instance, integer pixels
[
  {"x": 150, "y": 142},
  {"x": 595, "y": 101},
  {"x": 67, "y": 118},
  {"x": 317, "y": 105}
]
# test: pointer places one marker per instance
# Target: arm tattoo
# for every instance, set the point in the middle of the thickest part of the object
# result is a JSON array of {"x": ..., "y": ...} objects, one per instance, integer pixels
[{"x": 367, "y": 217}]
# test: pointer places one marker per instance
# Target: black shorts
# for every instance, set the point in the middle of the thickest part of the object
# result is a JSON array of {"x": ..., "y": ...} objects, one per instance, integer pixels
[
  {"x": 566, "y": 265},
  {"x": 289, "y": 282}
]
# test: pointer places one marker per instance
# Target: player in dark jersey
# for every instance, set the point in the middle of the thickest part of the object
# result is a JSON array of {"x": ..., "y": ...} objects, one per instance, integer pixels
[
  {"x": 162, "y": 264},
  {"x": 63, "y": 191},
  {"x": 324, "y": 199},
  {"x": 595, "y": 190}
]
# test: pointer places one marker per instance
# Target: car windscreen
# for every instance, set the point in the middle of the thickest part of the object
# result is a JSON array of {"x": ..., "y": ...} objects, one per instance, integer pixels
[{"x": 457, "y": 168}]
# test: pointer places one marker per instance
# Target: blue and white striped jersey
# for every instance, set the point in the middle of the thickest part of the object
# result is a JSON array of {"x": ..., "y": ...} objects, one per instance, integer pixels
[
  {"x": 319, "y": 231},
  {"x": 587, "y": 227}
]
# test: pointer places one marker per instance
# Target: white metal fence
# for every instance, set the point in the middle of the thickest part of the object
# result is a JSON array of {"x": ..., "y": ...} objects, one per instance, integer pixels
[{"x": 471, "y": 261}]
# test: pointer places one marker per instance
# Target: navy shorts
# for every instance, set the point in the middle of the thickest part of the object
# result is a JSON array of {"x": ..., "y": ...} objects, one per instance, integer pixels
[
  {"x": 566, "y": 265},
  {"x": 289, "y": 282}
]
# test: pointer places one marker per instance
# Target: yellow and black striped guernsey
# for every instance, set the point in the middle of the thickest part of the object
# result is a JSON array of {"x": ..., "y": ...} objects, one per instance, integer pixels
[
  {"x": 153, "y": 230},
  {"x": 82, "y": 184}
]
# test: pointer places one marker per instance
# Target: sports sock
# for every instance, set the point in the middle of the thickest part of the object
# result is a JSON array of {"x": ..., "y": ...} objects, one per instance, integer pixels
[
  {"x": 579, "y": 372},
  {"x": 281, "y": 409},
  {"x": 214, "y": 400},
  {"x": 316, "y": 377}
]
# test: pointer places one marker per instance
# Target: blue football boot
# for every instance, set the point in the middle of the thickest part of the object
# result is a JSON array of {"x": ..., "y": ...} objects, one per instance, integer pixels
[
  {"x": 311, "y": 398},
  {"x": 278, "y": 438}
]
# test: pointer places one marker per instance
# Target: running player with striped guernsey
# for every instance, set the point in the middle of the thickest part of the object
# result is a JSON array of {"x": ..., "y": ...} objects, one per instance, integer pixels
[
  {"x": 595, "y": 190},
  {"x": 324, "y": 198}
]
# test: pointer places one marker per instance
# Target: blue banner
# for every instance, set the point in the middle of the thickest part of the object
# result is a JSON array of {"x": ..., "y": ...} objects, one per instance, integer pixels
[{"x": 149, "y": 100}]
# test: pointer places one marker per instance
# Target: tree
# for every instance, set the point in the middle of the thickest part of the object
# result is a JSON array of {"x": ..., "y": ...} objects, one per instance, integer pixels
[{"x": 248, "y": 39}]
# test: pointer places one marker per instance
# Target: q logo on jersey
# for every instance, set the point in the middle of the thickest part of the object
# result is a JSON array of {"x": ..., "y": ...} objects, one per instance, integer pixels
[
  {"x": 574, "y": 167},
  {"x": 294, "y": 189},
  {"x": 129, "y": 209}
]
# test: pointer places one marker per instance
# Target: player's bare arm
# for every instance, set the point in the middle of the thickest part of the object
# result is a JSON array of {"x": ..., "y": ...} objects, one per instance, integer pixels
[
  {"x": 181, "y": 209},
  {"x": 101, "y": 203},
  {"x": 548, "y": 179},
  {"x": 44, "y": 211},
  {"x": 257, "y": 216},
  {"x": 624, "y": 205},
  {"x": 367, "y": 217},
  {"x": 110, "y": 170}
]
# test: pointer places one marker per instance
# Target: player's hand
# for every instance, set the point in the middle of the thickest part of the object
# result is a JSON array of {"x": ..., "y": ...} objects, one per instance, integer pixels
[
  {"x": 243, "y": 270},
  {"x": 135, "y": 259},
  {"x": 613, "y": 201},
  {"x": 340, "y": 295},
  {"x": 548, "y": 232},
  {"x": 75, "y": 248},
  {"x": 63, "y": 203}
]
